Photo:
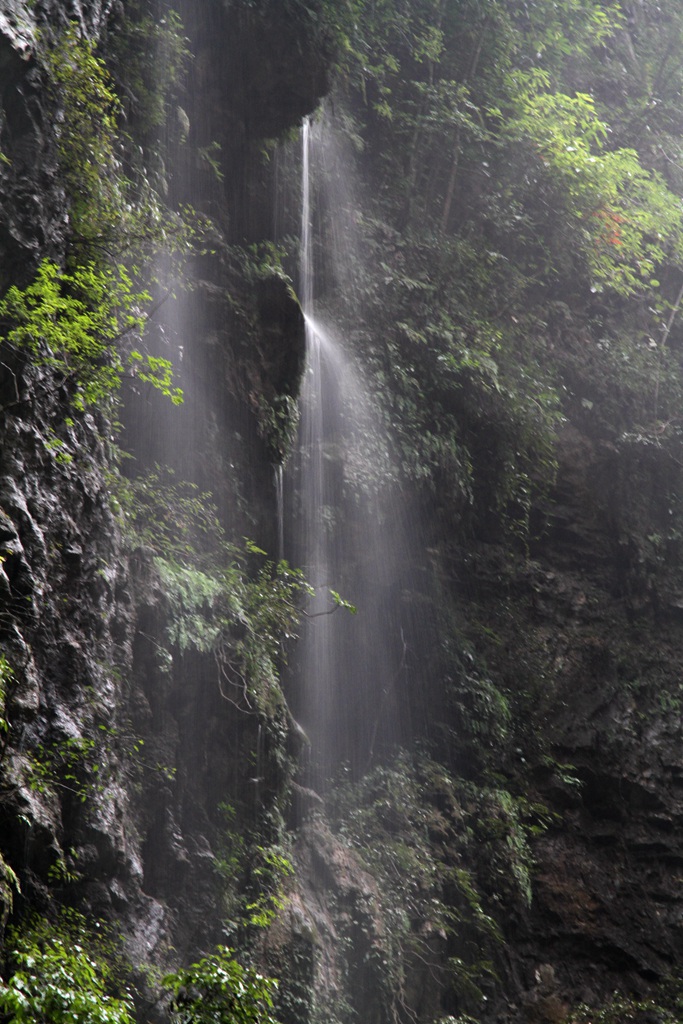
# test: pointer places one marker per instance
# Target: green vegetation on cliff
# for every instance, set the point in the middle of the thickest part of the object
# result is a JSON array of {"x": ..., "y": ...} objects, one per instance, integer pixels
[
  {"x": 519, "y": 265},
  {"x": 84, "y": 321},
  {"x": 60, "y": 973},
  {"x": 525, "y": 231},
  {"x": 64, "y": 972}
]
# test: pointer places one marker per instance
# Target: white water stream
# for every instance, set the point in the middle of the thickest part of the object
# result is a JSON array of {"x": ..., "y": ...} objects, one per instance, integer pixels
[{"x": 344, "y": 526}]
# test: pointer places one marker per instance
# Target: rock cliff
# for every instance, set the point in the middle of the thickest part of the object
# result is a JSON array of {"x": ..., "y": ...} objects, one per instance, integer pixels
[{"x": 139, "y": 773}]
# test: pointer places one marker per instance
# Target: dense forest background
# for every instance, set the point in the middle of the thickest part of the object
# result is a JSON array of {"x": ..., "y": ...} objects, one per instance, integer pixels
[{"x": 491, "y": 828}]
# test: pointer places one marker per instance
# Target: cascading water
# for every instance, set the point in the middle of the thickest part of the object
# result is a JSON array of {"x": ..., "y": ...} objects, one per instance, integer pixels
[
  {"x": 347, "y": 533},
  {"x": 280, "y": 509},
  {"x": 313, "y": 499}
]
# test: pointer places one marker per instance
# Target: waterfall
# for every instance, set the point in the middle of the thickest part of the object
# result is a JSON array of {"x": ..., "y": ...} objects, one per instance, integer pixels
[
  {"x": 345, "y": 516},
  {"x": 306, "y": 254},
  {"x": 280, "y": 510},
  {"x": 313, "y": 496}
]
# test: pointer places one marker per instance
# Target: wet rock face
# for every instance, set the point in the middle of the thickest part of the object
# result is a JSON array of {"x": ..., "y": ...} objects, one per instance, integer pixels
[
  {"x": 32, "y": 221},
  {"x": 272, "y": 71},
  {"x": 328, "y": 942},
  {"x": 285, "y": 69},
  {"x": 91, "y": 16},
  {"x": 83, "y": 815},
  {"x": 61, "y": 626},
  {"x": 17, "y": 33},
  {"x": 33, "y": 217},
  {"x": 590, "y": 642},
  {"x": 65, "y": 803}
]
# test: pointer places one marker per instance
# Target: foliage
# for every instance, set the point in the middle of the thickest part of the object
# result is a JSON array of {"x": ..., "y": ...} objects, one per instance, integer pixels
[
  {"x": 228, "y": 601},
  {"x": 479, "y": 714},
  {"x": 450, "y": 379},
  {"x": 242, "y": 621},
  {"x": 409, "y": 824},
  {"x": 523, "y": 231},
  {"x": 58, "y": 973},
  {"x": 261, "y": 261},
  {"x": 622, "y": 1009},
  {"x": 113, "y": 208},
  {"x": 264, "y": 383},
  {"x": 74, "y": 323},
  {"x": 253, "y": 876},
  {"x": 63, "y": 972},
  {"x": 9, "y": 888},
  {"x": 87, "y": 140},
  {"x": 232, "y": 856},
  {"x": 171, "y": 517},
  {"x": 84, "y": 320},
  {"x": 219, "y": 990},
  {"x": 147, "y": 87},
  {"x": 452, "y": 857},
  {"x": 6, "y": 678},
  {"x": 626, "y": 221},
  {"x": 272, "y": 867},
  {"x": 82, "y": 766},
  {"x": 69, "y": 765}
]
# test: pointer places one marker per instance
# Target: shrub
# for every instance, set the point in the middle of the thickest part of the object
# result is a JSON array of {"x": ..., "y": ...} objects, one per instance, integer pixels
[
  {"x": 219, "y": 990},
  {"x": 59, "y": 976}
]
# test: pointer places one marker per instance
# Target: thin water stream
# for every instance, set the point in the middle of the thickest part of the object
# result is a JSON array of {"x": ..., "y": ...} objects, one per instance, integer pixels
[{"x": 344, "y": 526}]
